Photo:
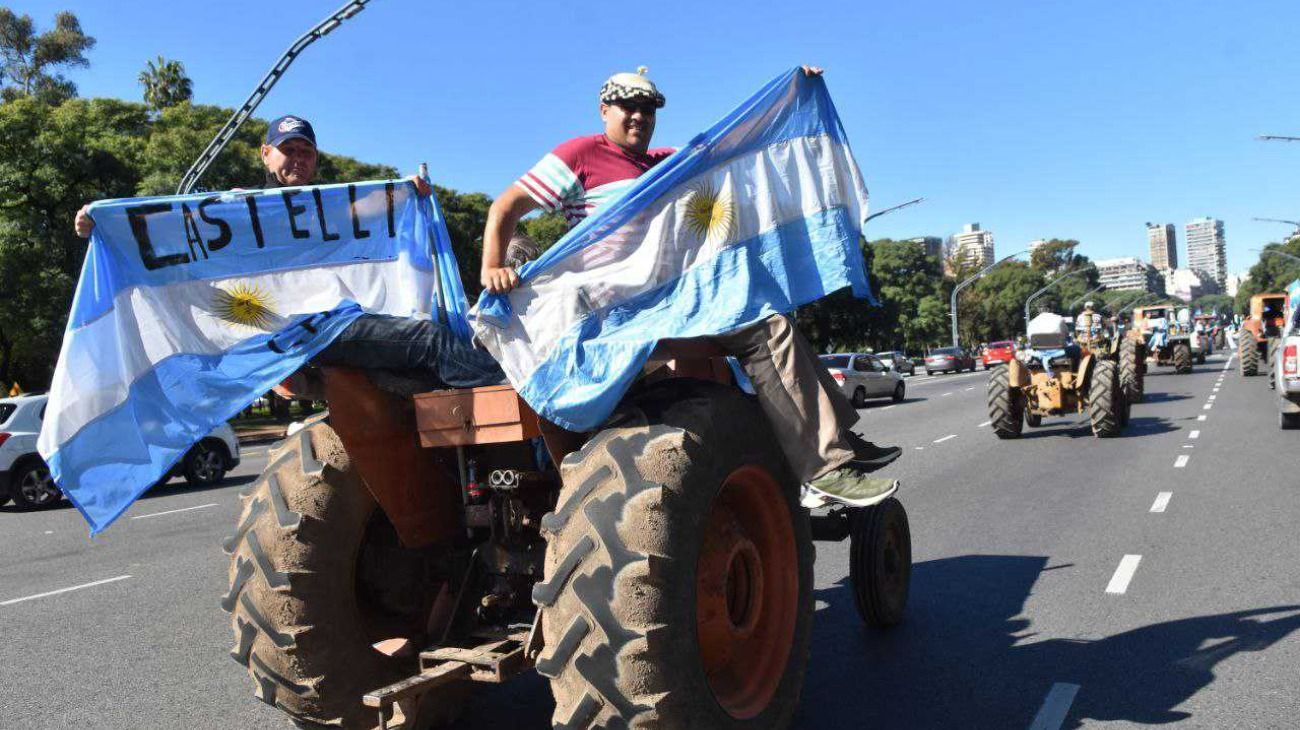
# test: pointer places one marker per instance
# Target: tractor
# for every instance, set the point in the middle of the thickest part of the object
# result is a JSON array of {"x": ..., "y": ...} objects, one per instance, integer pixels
[
  {"x": 1167, "y": 340},
  {"x": 1212, "y": 329},
  {"x": 1259, "y": 334},
  {"x": 1055, "y": 377},
  {"x": 411, "y": 543},
  {"x": 1125, "y": 348}
]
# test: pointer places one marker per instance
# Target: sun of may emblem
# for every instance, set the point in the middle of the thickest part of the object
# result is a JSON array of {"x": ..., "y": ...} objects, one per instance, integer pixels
[
  {"x": 244, "y": 304},
  {"x": 710, "y": 214}
]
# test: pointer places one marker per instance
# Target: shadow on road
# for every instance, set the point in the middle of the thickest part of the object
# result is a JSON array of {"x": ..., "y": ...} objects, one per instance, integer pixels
[
  {"x": 1161, "y": 398},
  {"x": 966, "y": 657}
]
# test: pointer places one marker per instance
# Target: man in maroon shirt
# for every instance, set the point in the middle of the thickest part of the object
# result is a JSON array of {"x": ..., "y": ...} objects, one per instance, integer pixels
[{"x": 810, "y": 416}]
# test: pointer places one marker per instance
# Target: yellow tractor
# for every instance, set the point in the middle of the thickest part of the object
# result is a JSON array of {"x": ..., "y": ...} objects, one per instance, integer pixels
[
  {"x": 1169, "y": 341},
  {"x": 1055, "y": 378},
  {"x": 1260, "y": 332}
]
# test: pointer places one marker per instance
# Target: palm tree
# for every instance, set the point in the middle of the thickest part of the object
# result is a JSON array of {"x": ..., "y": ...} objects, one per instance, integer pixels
[{"x": 165, "y": 84}]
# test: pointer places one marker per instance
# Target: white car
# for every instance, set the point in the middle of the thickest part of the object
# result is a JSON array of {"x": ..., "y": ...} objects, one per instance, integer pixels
[
  {"x": 1286, "y": 375},
  {"x": 863, "y": 376},
  {"x": 25, "y": 478}
]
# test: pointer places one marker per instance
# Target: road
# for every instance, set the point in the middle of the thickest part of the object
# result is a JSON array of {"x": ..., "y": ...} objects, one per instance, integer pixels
[{"x": 1060, "y": 581}]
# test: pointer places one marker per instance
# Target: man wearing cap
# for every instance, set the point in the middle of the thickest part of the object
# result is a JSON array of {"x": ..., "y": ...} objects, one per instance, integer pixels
[
  {"x": 809, "y": 415},
  {"x": 372, "y": 340}
]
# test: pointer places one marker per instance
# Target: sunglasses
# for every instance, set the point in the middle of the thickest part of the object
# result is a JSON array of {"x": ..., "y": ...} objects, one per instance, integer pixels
[{"x": 647, "y": 108}]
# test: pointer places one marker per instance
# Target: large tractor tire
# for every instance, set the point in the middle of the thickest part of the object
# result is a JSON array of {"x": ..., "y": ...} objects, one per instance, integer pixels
[
  {"x": 1006, "y": 405},
  {"x": 1247, "y": 353},
  {"x": 317, "y": 578},
  {"x": 1105, "y": 400},
  {"x": 1270, "y": 349},
  {"x": 1182, "y": 357},
  {"x": 678, "y": 589},
  {"x": 880, "y": 562},
  {"x": 1130, "y": 371}
]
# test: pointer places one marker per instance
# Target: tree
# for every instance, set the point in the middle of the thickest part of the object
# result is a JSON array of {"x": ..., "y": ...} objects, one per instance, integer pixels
[
  {"x": 1213, "y": 304},
  {"x": 1270, "y": 273},
  {"x": 28, "y": 60},
  {"x": 1056, "y": 255},
  {"x": 910, "y": 288},
  {"x": 165, "y": 84}
]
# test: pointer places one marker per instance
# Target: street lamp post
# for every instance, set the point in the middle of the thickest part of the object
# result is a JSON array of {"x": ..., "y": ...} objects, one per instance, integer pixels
[
  {"x": 1051, "y": 284},
  {"x": 967, "y": 282},
  {"x": 1083, "y": 296},
  {"x": 1283, "y": 254}
]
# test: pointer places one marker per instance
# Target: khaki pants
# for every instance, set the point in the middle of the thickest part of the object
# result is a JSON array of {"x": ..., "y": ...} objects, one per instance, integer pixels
[{"x": 803, "y": 403}]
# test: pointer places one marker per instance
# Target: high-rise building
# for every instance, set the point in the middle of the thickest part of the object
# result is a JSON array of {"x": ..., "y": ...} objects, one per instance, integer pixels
[
  {"x": 1234, "y": 283},
  {"x": 1206, "y": 249},
  {"x": 1129, "y": 272},
  {"x": 1164, "y": 245},
  {"x": 933, "y": 245},
  {"x": 1186, "y": 284},
  {"x": 973, "y": 246}
]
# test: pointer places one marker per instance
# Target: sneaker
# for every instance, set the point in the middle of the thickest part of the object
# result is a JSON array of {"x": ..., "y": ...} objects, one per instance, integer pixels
[
  {"x": 869, "y": 457},
  {"x": 852, "y": 486},
  {"x": 521, "y": 249}
]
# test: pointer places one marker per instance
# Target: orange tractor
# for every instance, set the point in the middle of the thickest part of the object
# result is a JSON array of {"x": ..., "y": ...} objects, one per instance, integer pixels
[
  {"x": 659, "y": 571},
  {"x": 1259, "y": 334}
]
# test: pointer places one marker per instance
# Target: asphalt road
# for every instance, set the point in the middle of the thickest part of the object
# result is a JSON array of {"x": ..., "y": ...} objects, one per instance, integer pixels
[{"x": 1060, "y": 581}]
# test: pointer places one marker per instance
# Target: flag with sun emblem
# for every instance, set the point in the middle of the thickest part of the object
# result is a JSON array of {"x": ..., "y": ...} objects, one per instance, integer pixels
[
  {"x": 190, "y": 307},
  {"x": 756, "y": 216}
]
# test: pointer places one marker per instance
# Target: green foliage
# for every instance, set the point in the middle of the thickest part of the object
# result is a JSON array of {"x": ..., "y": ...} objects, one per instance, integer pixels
[
  {"x": 994, "y": 307},
  {"x": 165, "y": 84},
  {"x": 1213, "y": 303},
  {"x": 546, "y": 229},
  {"x": 1270, "y": 273},
  {"x": 1056, "y": 255},
  {"x": 28, "y": 60}
]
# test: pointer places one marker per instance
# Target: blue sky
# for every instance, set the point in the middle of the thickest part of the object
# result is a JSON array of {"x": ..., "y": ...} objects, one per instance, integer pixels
[{"x": 1037, "y": 119}]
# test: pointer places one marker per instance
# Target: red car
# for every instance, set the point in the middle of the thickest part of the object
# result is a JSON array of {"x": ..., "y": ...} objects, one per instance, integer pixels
[{"x": 998, "y": 353}]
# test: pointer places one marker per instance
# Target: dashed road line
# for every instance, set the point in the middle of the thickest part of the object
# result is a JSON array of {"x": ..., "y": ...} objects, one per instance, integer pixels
[
  {"x": 1162, "y": 501},
  {"x": 173, "y": 511},
  {"x": 1056, "y": 706},
  {"x": 948, "y": 393},
  {"x": 971, "y": 388},
  {"x": 982, "y": 425},
  {"x": 1200, "y": 417},
  {"x": 1194, "y": 435},
  {"x": 1212, "y": 397},
  {"x": 1207, "y": 406},
  {"x": 1123, "y": 574},
  {"x": 945, "y": 438},
  {"x": 47, "y": 594},
  {"x": 1181, "y": 461}
]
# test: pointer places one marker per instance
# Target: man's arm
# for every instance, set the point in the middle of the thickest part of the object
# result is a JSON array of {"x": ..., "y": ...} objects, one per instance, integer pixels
[{"x": 502, "y": 220}]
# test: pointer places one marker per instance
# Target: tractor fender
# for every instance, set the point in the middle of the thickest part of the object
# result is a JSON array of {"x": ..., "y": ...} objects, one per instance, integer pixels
[
  {"x": 1085, "y": 371},
  {"x": 1017, "y": 374}
]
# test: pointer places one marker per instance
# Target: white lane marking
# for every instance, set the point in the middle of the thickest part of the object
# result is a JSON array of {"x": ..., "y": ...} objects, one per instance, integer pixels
[
  {"x": 1056, "y": 705},
  {"x": 886, "y": 408},
  {"x": 1123, "y": 574},
  {"x": 12, "y": 601},
  {"x": 945, "y": 438},
  {"x": 1201, "y": 417},
  {"x": 948, "y": 393},
  {"x": 920, "y": 448},
  {"x": 982, "y": 425},
  {"x": 1208, "y": 406},
  {"x": 1188, "y": 446},
  {"x": 1162, "y": 501},
  {"x": 172, "y": 511},
  {"x": 1181, "y": 461},
  {"x": 1216, "y": 390},
  {"x": 1212, "y": 397},
  {"x": 971, "y": 388},
  {"x": 1194, "y": 435}
]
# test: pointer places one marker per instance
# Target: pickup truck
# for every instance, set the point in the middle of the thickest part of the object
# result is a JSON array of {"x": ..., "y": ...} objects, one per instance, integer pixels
[{"x": 1286, "y": 375}]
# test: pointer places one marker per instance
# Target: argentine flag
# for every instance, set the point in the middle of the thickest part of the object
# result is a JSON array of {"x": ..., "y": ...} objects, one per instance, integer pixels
[
  {"x": 756, "y": 216},
  {"x": 190, "y": 307}
]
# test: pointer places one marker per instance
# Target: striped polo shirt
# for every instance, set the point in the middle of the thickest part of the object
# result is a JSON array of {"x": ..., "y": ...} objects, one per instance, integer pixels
[{"x": 582, "y": 175}]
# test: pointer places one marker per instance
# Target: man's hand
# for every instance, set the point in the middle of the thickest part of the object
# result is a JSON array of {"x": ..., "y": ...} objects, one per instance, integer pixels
[
  {"x": 812, "y": 71},
  {"x": 84, "y": 224},
  {"x": 422, "y": 186},
  {"x": 499, "y": 280}
]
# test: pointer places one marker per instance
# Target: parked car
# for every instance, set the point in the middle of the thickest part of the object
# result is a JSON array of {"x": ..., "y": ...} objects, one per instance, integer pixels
[
  {"x": 998, "y": 353},
  {"x": 25, "y": 478},
  {"x": 948, "y": 360},
  {"x": 864, "y": 376},
  {"x": 897, "y": 361}
]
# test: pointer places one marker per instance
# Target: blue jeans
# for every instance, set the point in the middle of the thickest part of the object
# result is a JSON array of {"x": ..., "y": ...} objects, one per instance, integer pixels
[{"x": 378, "y": 341}]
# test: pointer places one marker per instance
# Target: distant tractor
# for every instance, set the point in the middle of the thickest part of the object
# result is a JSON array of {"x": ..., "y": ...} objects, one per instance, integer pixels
[
  {"x": 1258, "y": 338},
  {"x": 1055, "y": 378},
  {"x": 1167, "y": 341}
]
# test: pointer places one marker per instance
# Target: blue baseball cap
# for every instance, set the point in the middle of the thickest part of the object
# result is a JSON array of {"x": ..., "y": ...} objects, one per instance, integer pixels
[{"x": 289, "y": 127}]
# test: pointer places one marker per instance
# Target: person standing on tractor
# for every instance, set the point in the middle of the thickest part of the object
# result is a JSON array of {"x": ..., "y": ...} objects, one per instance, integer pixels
[
  {"x": 810, "y": 417},
  {"x": 373, "y": 341}
]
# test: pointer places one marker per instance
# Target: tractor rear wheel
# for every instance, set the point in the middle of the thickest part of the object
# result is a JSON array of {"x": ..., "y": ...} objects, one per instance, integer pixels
[
  {"x": 1270, "y": 362},
  {"x": 880, "y": 563},
  {"x": 1105, "y": 400},
  {"x": 678, "y": 589},
  {"x": 1006, "y": 404},
  {"x": 1182, "y": 357},
  {"x": 1130, "y": 371},
  {"x": 317, "y": 578},
  {"x": 1248, "y": 353}
]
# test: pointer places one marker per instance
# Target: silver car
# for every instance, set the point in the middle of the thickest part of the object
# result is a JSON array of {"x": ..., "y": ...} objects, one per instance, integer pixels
[
  {"x": 898, "y": 361},
  {"x": 862, "y": 376}
]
